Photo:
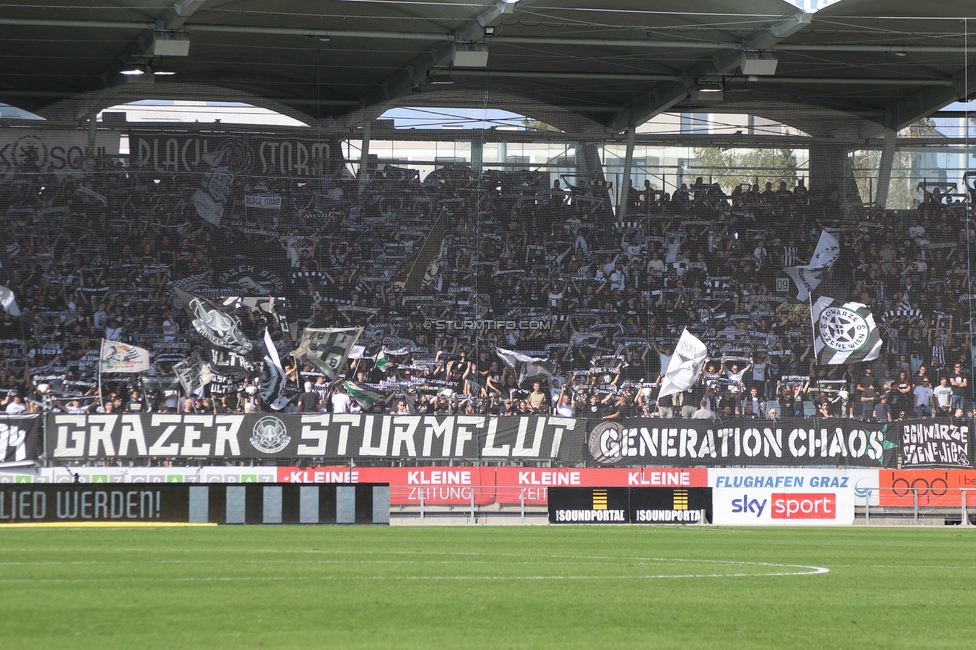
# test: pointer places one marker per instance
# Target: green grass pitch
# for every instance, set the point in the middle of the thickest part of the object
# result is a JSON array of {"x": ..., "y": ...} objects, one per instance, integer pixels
[{"x": 487, "y": 587}]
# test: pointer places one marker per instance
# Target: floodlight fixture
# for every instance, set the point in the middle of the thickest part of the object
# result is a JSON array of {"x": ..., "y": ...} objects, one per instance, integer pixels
[
  {"x": 758, "y": 63},
  {"x": 441, "y": 78},
  {"x": 470, "y": 55},
  {"x": 169, "y": 44},
  {"x": 708, "y": 91}
]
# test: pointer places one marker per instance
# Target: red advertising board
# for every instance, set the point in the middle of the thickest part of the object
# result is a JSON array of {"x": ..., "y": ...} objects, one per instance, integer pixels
[
  {"x": 408, "y": 485},
  {"x": 504, "y": 485},
  {"x": 536, "y": 481},
  {"x": 935, "y": 487},
  {"x": 795, "y": 505}
]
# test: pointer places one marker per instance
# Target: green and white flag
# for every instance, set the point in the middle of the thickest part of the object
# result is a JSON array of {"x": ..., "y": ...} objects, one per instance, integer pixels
[
  {"x": 382, "y": 362},
  {"x": 844, "y": 332},
  {"x": 365, "y": 396}
]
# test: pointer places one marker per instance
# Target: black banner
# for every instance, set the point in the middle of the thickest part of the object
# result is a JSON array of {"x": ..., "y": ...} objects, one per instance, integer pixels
[
  {"x": 788, "y": 442},
  {"x": 670, "y": 506},
  {"x": 200, "y": 504},
  {"x": 31, "y": 503},
  {"x": 629, "y": 505},
  {"x": 638, "y": 442},
  {"x": 20, "y": 439},
  {"x": 72, "y": 437}
]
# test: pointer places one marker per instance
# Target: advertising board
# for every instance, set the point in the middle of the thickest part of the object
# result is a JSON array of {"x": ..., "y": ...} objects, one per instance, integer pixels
[
  {"x": 618, "y": 505},
  {"x": 132, "y": 503},
  {"x": 797, "y": 497},
  {"x": 940, "y": 488}
]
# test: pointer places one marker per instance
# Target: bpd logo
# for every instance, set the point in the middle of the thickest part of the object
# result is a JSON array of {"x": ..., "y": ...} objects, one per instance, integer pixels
[{"x": 804, "y": 506}]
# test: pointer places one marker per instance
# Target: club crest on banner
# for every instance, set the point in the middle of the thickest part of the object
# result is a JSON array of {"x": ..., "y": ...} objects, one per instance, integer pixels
[
  {"x": 844, "y": 332},
  {"x": 270, "y": 435}
]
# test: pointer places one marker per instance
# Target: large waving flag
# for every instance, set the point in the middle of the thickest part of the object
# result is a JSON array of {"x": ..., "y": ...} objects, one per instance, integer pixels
[
  {"x": 327, "y": 349},
  {"x": 118, "y": 357},
  {"x": 844, "y": 332},
  {"x": 421, "y": 271},
  {"x": 526, "y": 368},
  {"x": 217, "y": 325},
  {"x": 361, "y": 393},
  {"x": 685, "y": 366},
  {"x": 807, "y": 277}
]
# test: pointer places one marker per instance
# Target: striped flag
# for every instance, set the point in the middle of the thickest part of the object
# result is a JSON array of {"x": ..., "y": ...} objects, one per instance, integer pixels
[
  {"x": 382, "y": 361},
  {"x": 365, "y": 396},
  {"x": 844, "y": 332}
]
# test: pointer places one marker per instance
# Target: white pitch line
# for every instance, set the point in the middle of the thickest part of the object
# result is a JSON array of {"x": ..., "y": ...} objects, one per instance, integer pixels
[{"x": 665, "y": 576}]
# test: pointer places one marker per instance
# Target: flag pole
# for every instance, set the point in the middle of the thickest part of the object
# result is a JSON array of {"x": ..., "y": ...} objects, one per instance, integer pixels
[{"x": 101, "y": 349}]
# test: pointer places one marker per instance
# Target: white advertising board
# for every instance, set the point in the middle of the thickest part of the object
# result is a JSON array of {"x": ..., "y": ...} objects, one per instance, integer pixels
[{"x": 790, "y": 497}]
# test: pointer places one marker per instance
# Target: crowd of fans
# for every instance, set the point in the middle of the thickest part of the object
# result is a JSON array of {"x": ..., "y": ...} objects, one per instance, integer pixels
[{"x": 98, "y": 257}]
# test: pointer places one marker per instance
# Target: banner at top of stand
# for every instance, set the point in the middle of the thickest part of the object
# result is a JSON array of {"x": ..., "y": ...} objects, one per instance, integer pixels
[
  {"x": 288, "y": 154},
  {"x": 51, "y": 151},
  {"x": 637, "y": 442}
]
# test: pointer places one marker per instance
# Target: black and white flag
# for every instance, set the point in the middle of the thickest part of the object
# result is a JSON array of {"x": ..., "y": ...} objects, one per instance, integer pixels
[
  {"x": 844, "y": 332},
  {"x": 221, "y": 328},
  {"x": 685, "y": 366},
  {"x": 273, "y": 375},
  {"x": 327, "y": 349},
  {"x": 526, "y": 368},
  {"x": 9, "y": 301},
  {"x": 807, "y": 277},
  {"x": 193, "y": 375}
]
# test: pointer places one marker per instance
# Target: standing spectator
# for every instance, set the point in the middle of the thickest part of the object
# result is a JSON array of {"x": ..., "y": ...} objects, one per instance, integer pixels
[
  {"x": 869, "y": 397},
  {"x": 924, "y": 399},
  {"x": 943, "y": 397},
  {"x": 960, "y": 385},
  {"x": 882, "y": 412}
]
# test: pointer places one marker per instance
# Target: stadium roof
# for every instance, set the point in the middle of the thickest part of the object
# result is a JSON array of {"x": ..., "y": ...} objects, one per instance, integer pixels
[{"x": 856, "y": 67}]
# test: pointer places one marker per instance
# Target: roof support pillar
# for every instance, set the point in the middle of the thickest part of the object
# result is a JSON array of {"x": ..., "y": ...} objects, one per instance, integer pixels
[
  {"x": 623, "y": 193},
  {"x": 477, "y": 155},
  {"x": 364, "y": 161},
  {"x": 830, "y": 170},
  {"x": 884, "y": 168}
]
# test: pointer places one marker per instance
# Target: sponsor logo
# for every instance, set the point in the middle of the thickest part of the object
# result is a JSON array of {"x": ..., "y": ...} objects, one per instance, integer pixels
[
  {"x": 586, "y": 516},
  {"x": 804, "y": 506},
  {"x": 748, "y": 506},
  {"x": 600, "y": 500},
  {"x": 862, "y": 493},
  {"x": 669, "y": 516},
  {"x": 681, "y": 499},
  {"x": 270, "y": 435}
]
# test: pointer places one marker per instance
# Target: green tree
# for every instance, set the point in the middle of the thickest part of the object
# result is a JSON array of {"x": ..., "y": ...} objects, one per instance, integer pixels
[{"x": 732, "y": 167}]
